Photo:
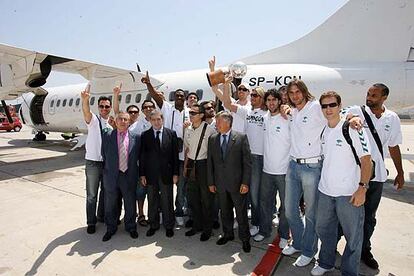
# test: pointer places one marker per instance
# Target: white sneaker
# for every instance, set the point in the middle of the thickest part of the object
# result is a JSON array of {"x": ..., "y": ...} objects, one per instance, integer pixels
[
  {"x": 283, "y": 243},
  {"x": 254, "y": 230},
  {"x": 302, "y": 261},
  {"x": 318, "y": 271},
  {"x": 258, "y": 238},
  {"x": 180, "y": 221},
  {"x": 235, "y": 224},
  {"x": 275, "y": 221},
  {"x": 289, "y": 250}
]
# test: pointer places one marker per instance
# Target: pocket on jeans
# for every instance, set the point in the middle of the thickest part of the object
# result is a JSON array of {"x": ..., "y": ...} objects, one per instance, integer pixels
[{"x": 314, "y": 165}]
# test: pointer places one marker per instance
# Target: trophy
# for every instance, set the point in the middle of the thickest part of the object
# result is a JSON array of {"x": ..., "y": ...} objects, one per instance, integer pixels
[{"x": 237, "y": 70}]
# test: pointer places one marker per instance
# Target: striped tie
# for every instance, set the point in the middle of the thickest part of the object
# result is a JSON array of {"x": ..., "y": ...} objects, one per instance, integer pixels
[{"x": 123, "y": 160}]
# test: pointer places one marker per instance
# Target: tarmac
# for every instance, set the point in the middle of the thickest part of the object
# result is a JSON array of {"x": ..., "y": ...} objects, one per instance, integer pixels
[{"x": 42, "y": 210}]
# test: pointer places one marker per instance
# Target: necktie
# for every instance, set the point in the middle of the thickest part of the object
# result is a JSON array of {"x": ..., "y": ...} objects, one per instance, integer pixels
[
  {"x": 157, "y": 139},
  {"x": 123, "y": 159},
  {"x": 224, "y": 146}
]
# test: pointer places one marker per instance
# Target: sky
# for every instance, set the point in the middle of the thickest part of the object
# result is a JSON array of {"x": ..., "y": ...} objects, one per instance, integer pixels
[{"x": 161, "y": 36}]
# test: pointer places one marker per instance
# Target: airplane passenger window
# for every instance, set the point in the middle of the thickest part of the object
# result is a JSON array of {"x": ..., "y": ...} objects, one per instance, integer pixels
[
  {"x": 138, "y": 98},
  {"x": 52, "y": 102},
  {"x": 64, "y": 103},
  {"x": 128, "y": 98},
  {"x": 77, "y": 102},
  {"x": 57, "y": 103},
  {"x": 70, "y": 102},
  {"x": 92, "y": 101}
]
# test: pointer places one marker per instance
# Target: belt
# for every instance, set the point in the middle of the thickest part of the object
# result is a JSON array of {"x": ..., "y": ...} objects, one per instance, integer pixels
[{"x": 312, "y": 160}]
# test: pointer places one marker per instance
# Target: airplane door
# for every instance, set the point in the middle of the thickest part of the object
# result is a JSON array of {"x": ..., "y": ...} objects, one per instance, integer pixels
[{"x": 52, "y": 104}]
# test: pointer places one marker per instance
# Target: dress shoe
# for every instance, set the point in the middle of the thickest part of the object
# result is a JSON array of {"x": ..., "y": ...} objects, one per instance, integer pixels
[
  {"x": 369, "y": 260},
  {"x": 246, "y": 246},
  {"x": 216, "y": 225},
  {"x": 134, "y": 234},
  {"x": 169, "y": 233},
  {"x": 189, "y": 223},
  {"x": 205, "y": 237},
  {"x": 107, "y": 236},
  {"x": 223, "y": 240},
  {"x": 191, "y": 232},
  {"x": 90, "y": 229},
  {"x": 151, "y": 232}
]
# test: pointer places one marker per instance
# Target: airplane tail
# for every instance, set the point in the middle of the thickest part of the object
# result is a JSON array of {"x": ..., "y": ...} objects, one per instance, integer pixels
[{"x": 361, "y": 31}]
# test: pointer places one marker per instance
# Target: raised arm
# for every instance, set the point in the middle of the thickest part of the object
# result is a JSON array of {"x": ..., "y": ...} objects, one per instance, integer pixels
[
  {"x": 226, "y": 95},
  {"x": 117, "y": 91},
  {"x": 212, "y": 64},
  {"x": 85, "y": 95},
  {"x": 153, "y": 93}
]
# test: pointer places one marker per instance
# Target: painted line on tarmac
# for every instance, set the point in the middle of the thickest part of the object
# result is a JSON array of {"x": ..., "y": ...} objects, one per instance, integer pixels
[{"x": 269, "y": 260}]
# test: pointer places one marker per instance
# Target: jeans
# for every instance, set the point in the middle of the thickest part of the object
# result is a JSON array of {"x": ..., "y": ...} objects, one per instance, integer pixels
[
  {"x": 268, "y": 189},
  {"x": 372, "y": 200},
  {"x": 254, "y": 189},
  {"x": 94, "y": 179},
  {"x": 333, "y": 211},
  {"x": 302, "y": 179},
  {"x": 181, "y": 197}
]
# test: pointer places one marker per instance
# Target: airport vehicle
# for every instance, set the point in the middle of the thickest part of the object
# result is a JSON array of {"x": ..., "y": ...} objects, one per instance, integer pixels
[
  {"x": 364, "y": 42},
  {"x": 16, "y": 125}
]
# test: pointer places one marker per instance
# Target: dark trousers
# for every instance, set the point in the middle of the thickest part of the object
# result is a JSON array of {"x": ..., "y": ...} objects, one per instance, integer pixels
[
  {"x": 113, "y": 195},
  {"x": 94, "y": 177},
  {"x": 200, "y": 198},
  {"x": 372, "y": 200},
  {"x": 239, "y": 202},
  {"x": 161, "y": 195}
]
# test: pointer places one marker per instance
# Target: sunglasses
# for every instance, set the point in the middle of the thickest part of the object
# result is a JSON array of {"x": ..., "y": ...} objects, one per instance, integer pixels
[
  {"x": 255, "y": 95},
  {"x": 133, "y": 112},
  {"x": 208, "y": 108},
  {"x": 105, "y": 106},
  {"x": 192, "y": 113},
  {"x": 148, "y": 107},
  {"x": 243, "y": 89},
  {"x": 331, "y": 105}
]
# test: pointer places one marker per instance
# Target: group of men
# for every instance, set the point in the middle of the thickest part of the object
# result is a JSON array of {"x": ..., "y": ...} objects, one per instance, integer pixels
[{"x": 262, "y": 144}]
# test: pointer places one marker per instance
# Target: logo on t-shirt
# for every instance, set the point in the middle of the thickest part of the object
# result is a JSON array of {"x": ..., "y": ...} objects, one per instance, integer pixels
[
  {"x": 387, "y": 127},
  {"x": 255, "y": 119},
  {"x": 278, "y": 129},
  {"x": 305, "y": 119},
  {"x": 339, "y": 142},
  {"x": 364, "y": 143}
]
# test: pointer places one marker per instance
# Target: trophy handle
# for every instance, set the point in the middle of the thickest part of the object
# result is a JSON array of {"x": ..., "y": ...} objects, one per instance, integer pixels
[{"x": 215, "y": 77}]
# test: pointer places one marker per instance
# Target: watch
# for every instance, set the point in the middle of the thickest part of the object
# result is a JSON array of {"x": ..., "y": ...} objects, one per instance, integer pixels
[{"x": 364, "y": 185}]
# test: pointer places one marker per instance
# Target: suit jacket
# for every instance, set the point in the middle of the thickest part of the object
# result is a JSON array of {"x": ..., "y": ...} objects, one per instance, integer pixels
[
  {"x": 235, "y": 169},
  {"x": 163, "y": 161},
  {"x": 111, "y": 158}
]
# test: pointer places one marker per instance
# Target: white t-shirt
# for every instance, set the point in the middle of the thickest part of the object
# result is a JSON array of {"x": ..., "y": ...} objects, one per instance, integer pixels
[
  {"x": 388, "y": 127},
  {"x": 340, "y": 173},
  {"x": 276, "y": 144},
  {"x": 169, "y": 112},
  {"x": 239, "y": 122},
  {"x": 253, "y": 122},
  {"x": 94, "y": 139},
  {"x": 306, "y": 127},
  {"x": 140, "y": 125}
]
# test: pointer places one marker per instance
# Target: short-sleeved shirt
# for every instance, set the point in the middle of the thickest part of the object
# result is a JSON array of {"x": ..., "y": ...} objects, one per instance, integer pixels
[
  {"x": 192, "y": 138},
  {"x": 306, "y": 127},
  {"x": 276, "y": 144},
  {"x": 174, "y": 119},
  {"x": 94, "y": 139},
  {"x": 340, "y": 173},
  {"x": 239, "y": 122},
  {"x": 388, "y": 127},
  {"x": 253, "y": 122},
  {"x": 141, "y": 125}
]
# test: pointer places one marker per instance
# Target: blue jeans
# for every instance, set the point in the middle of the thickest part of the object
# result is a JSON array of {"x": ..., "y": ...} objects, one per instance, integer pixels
[
  {"x": 181, "y": 197},
  {"x": 303, "y": 179},
  {"x": 94, "y": 177},
  {"x": 254, "y": 189},
  {"x": 331, "y": 212},
  {"x": 268, "y": 189}
]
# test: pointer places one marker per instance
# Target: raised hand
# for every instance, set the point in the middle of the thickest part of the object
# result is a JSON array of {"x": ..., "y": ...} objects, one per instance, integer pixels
[
  {"x": 212, "y": 64},
  {"x": 228, "y": 78},
  {"x": 85, "y": 94},
  {"x": 117, "y": 89},
  {"x": 146, "y": 79}
]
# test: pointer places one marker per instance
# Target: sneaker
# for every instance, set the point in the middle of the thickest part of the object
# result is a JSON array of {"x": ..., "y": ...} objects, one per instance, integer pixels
[
  {"x": 235, "y": 224},
  {"x": 180, "y": 221},
  {"x": 302, "y": 261},
  {"x": 318, "y": 271},
  {"x": 258, "y": 238},
  {"x": 289, "y": 250},
  {"x": 275, "y": 221},
  {"x": 283, "y": 243},
  {"x": 254, "y": 230}
]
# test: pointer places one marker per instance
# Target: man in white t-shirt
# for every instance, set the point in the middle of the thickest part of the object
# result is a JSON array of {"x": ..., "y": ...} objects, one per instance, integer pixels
[
  {"x": 344, "y": 181},
  {"x": 176, "y": 117},
  {"x": 97, "y": 125},
  {"x": 253, "y": 121},
  {"x": 276, "y": 146},
  {"x": 388, "y": 127}
]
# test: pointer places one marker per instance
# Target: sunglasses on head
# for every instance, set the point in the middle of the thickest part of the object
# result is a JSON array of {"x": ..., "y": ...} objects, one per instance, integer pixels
[
  {"x": 254, "y": 95},
  {"x": 243, "y": 89},
  {"x": 193, "y": 113},
  {"x": 331, "y": 105},
  {"x": 104, "y": 106},
  {"x": 133, "y": 112}
]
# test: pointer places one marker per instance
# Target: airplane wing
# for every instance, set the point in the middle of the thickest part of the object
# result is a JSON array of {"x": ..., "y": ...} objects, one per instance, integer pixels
[{"x": 24, "y": 70}]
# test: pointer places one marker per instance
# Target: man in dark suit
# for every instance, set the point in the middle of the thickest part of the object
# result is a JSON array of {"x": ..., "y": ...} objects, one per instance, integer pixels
[
  {"x": 229, "y": 168},
  {"x": 120, "y": 151},
  {"x": 159, "y": 166}
]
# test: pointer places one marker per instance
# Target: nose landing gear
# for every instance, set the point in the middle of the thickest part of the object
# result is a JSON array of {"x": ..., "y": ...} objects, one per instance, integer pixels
[{"x": 39, "y": 136}]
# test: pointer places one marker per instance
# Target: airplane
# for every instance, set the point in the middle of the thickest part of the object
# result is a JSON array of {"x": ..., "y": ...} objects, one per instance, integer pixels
[{"x": 364, "y": 42}]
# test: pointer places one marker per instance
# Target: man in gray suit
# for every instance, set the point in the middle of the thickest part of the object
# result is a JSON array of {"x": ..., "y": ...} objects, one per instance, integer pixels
[
  {"x": 229, "y": 168},
  {"x": 120, "y": 151}
]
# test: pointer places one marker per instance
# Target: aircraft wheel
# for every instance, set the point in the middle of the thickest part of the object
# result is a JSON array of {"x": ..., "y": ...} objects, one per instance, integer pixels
[{"x": 40, "y": 136}]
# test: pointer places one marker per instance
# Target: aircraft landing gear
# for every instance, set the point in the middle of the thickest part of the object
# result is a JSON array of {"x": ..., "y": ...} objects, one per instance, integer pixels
[{"x": 40, "y": 136}]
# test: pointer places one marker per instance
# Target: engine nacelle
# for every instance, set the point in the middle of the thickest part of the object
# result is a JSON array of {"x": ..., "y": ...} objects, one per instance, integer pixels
[{"x": 41, "y": 72}]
